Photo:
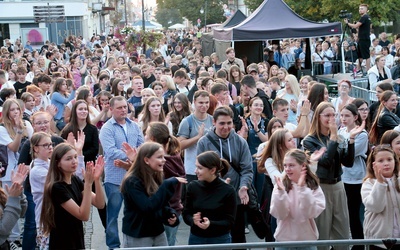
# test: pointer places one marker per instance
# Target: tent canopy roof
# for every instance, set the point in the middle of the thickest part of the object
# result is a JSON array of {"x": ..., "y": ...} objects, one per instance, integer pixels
[{"x": 274, "y": 19}]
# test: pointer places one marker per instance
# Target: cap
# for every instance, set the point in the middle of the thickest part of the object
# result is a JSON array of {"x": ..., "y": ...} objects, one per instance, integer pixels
[
  {"x": 178, "y": 57},
  {"x": 253, "y": 70}
]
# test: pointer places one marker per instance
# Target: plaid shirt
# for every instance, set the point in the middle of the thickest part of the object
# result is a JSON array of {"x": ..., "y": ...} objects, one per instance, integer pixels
[{"x": 112, "y": 135}]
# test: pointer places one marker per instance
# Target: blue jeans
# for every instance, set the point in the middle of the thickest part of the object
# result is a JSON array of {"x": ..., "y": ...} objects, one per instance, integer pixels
[
  {"x": 196, "y": 240},
  {"x": 327, "y": 69},
  {"x": 171, "y": 232},
  {"x": 29, "y": 236},
  {"x": 114, "y": 204}
]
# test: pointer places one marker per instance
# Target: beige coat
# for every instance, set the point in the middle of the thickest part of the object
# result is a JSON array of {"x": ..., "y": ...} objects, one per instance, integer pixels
[{"x": 380, "y": 200}]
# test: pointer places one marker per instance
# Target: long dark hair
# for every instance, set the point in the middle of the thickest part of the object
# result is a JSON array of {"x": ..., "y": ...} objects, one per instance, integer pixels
[
  {"x": 373, "y": 133},
  {"x": 210, "y": 160},
  {"x": 141, "y": 170},
  {"x": 54, "y": 175},
  {"x": 177, "y": 116},
  {"x": 73, "y": 125}
]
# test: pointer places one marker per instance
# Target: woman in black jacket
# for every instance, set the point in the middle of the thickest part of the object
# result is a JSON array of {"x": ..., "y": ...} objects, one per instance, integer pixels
[
  {"x": 386, "y": 118},
  {"x": 146, "y": 197},
  {"x": 333, "y": 223}
]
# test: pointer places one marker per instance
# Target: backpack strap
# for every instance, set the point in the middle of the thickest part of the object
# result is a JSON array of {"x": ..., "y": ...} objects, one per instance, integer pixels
[{"x": 190, "y": 122}]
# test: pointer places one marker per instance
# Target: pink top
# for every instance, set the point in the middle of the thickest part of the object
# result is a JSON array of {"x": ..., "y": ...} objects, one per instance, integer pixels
[{"x": 295, "y": 212}]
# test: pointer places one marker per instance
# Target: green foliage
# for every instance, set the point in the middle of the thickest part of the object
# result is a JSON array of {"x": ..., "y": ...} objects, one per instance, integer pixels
[
  {"x": 328, "y": 10},
  {"x": 191, "y": 10},
  {"x": 168, "y": 17},
  {"x": 252, "y": 4}
]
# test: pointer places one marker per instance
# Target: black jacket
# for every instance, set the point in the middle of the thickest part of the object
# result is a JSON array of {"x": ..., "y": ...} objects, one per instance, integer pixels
[
  {"x": 267, "y": 105},
  {"x": 387, "y": 120},
  {"x": 330, "y": 164}
]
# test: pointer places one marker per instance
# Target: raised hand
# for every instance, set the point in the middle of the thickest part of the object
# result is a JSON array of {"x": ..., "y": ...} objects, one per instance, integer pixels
[
  {"x": 302, "y": 178},
  {"x": 52, "y": 110},
  {"x": 15, "y": 190},
  {"x": 122, "y": 164},
  {"x": 20, "y": 176},
  {"x": 378, "y": 174},
  {"x": 80, "y": 141},
  {"x": 317, "y": 154},
  {"x": 201, "y": 129},
  {"x": 71, "y": 139},
  {"x": 333, "y": 127},
  {"x": 305, "y": 108},
  {"x": 129, "y": 151},
  {"x": 99, "y": 168},
  {"x": 89, "y": 173},
  {"x": 243, "y": 195},
  {"x": 182, "y": 180},
  {"x": 279, "y": 183},
  {"x": 357, "y": 130}
]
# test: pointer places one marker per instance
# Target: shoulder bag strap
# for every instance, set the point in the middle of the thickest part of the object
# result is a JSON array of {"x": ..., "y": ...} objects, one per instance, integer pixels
[{"x": 223, "y": 154}]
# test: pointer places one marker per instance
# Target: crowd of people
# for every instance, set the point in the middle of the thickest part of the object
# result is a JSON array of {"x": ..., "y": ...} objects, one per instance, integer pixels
[{"x": 178, "y": 137}]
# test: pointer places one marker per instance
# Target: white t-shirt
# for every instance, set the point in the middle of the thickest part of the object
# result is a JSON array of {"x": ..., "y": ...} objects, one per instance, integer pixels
[{"x": 5, "y": 139}]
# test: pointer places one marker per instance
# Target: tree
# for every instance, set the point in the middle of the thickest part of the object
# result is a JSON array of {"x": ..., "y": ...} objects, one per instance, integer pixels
[
  {"x": 328, "y": 10},
  {"x": 191, "y": 9},
  {"x": 168, "y": 17}
]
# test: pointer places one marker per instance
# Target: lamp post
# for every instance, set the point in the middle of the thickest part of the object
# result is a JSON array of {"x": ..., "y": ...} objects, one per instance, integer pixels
[
  {"x": 143, "y": 21},
  {"x": 126, "y": 15},
  {"x": 204, "y": 11}
]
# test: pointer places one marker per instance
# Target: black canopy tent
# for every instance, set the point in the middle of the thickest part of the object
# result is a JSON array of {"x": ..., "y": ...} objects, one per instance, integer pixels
[
  {"x": 209, "y": 44},
  {"x": 274, "y": 19}
]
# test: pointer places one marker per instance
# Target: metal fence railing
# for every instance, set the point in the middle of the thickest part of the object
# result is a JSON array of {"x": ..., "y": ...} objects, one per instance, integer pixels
[{"x": 388, "y": 243}]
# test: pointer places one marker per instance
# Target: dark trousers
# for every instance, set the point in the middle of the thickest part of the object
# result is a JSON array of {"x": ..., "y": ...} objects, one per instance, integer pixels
[
  {"x": 237, "y": 231},
  {"x": 353, "y": 193}
]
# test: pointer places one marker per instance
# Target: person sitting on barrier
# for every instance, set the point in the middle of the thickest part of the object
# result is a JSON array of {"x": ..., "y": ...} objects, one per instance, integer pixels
[
  {"x": 297, "y": 199},
  {"x": 381, "y": 196},
  {"x": 379, "y": 73}
]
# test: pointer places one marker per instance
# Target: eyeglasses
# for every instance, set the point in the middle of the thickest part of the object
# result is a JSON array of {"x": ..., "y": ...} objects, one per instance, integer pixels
[
  {"x": 258, "y": 105},
  {"x": 42, "y": 123},
  {"x": 344, "y": 87},
  {"x": 47, "y": 145},
  {"x": 329, "y": 115},
  {"x": 363, "y": 109}
]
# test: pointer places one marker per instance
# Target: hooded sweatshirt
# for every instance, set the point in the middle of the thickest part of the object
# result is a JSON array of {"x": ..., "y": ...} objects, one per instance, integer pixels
[{"x": 236, "y": 148}]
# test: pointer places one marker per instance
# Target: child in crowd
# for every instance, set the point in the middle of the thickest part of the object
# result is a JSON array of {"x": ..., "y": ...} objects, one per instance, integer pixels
[
  {"x": 21, "y": 84},
  {"x": 296, "y": 200},
  {"x": 381, "y": 196}
]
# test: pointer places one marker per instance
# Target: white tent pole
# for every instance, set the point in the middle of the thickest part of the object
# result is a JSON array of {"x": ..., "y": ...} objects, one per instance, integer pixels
[
  {"x": 233, "y": 44},
  {"x": 312, "y": 62},
  {"x": 342, "y": 52}
]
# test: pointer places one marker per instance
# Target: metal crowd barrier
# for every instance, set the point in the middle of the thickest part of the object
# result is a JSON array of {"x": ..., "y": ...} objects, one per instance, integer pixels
[{"x": 264, "y": 245}]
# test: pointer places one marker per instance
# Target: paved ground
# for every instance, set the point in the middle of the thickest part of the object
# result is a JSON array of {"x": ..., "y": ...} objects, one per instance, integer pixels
[{"x": 95, "y": 236}]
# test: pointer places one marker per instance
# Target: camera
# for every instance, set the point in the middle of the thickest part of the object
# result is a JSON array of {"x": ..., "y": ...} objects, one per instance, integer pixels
[{"x": 345, "y": 14}]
